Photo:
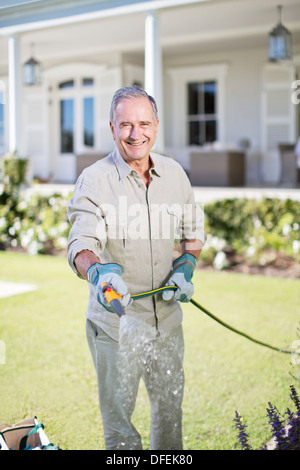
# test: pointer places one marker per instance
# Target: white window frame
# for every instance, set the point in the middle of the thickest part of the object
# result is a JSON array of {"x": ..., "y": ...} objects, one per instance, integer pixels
[
  {"x": 180, "y": 77},
  {"x": 202, "y": 117}
]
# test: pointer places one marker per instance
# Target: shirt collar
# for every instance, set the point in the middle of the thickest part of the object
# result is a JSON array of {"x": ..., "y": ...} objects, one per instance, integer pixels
[
  {"x": 156, "y": 167},
  {"x": 124, "y": 169}
]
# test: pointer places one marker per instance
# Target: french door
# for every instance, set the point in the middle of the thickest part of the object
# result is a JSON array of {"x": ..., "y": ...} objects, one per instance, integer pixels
[{"x": 74, "y": 125}]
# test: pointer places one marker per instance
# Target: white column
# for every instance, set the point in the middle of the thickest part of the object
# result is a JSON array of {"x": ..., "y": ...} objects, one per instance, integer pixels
[
  {"x": 13, "y": 92},
  {"x": 153, "y": 70}
]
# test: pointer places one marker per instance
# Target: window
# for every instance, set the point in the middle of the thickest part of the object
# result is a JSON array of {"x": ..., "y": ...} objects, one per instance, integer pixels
[
  {"x": 88, "y": 121},
  {"x": 202, "y": 112},
  {"x": 67, "y": 125}
]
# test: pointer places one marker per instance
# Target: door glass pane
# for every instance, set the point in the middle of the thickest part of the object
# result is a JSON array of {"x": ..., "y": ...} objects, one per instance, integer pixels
[
  {"x": 2, "y": 150},
  {"x": 88, "y": 122},
  {"x": 67, "y": 126},
  {"x": 87, "y": 82},
  {"x": 66, "y": 84}
]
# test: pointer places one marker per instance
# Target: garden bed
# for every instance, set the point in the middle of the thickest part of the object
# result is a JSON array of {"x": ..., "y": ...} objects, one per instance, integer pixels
[
  {"x": 243, "y": 236},
  {"x": 279, "y": 265}
]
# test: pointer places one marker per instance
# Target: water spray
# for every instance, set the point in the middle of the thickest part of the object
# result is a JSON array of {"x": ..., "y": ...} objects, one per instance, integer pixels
[{"x": 113, "y": 299}]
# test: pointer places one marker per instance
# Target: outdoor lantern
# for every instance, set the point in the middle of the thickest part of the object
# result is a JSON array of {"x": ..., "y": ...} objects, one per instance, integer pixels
[
  {"x": 31, "y": 72},
  {"x": 280, "y": 41}
]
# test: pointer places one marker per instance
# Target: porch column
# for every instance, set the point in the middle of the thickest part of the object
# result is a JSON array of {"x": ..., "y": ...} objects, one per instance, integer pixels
[
  {"x": 13, "y": 92},
  {"x": 153, "y": 70}
]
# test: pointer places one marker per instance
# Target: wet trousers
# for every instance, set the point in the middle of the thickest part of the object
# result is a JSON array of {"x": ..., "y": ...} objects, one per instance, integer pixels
[{"x": 159, "y": 363}]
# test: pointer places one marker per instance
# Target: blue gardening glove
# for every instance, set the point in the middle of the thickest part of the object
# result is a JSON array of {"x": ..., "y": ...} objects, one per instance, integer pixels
[
  {"x": 111, "y": 274},
  {"x": 183, "y": 270}
]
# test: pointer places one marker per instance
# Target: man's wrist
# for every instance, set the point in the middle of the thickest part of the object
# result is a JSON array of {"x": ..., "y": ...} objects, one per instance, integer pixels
[
  {"x": 84, "y": 260},
  {"x": 193, "y": 247}
]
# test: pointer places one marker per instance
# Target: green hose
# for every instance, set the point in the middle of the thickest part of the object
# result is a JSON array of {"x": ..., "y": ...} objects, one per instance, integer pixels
[{"x": 229, "y": 327}]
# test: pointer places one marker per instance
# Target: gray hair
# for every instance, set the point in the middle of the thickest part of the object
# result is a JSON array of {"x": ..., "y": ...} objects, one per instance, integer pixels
[{"x": 128, "y": 93}]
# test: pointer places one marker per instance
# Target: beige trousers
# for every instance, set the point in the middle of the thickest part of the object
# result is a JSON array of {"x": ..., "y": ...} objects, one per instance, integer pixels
[{"x": 159, "y": 362}]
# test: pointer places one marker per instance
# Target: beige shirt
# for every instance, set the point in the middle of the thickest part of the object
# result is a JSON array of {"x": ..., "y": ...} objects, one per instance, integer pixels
[{"x": 115, "y": 215}]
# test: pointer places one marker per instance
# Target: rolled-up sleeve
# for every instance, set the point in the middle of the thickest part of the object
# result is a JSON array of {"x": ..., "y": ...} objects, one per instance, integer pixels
[{"x": 84, "y": 214}]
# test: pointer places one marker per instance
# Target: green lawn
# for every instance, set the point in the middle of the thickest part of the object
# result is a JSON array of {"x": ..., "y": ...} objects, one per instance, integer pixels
[{"x": 48, "y": 370}]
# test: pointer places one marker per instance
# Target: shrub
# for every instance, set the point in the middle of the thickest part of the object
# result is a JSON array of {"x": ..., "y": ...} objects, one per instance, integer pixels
[
  {"x": 37, "y": 224},
  {"x": 13, "y": 177},
  {"x": 256, "y": 231},
  {"x": 252, "y": 228}
]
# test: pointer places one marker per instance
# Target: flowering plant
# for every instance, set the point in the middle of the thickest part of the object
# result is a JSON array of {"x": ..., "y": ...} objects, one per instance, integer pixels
[
  {"x": 256, "y": 231},
  {"x": 37, "y": 224},
  {"x": 286, "y": 435}
]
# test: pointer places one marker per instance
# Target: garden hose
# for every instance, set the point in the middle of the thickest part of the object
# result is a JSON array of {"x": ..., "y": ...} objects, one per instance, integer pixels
[
  {"x": 120, "y": 311},
  {"x": 221, "y": 322}
]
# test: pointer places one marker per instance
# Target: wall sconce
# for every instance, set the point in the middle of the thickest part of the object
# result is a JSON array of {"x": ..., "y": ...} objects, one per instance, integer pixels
[
  {"x": 280, "y": 41},
  {"x": 31, "y": 71}
]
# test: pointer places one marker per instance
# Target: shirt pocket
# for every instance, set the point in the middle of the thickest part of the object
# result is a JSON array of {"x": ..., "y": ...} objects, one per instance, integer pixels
[
  {"x": 175, "y": 218},
  {"x": 165, "y": 221},
  {"x": 116, "y": 229}
]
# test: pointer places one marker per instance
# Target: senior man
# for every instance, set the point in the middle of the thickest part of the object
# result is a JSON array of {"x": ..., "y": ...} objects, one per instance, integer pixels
[{"x": 126, "y": 212}]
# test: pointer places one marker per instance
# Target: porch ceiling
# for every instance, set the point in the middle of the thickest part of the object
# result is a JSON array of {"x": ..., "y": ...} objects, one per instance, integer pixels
[{"x": 204, "y": 26}]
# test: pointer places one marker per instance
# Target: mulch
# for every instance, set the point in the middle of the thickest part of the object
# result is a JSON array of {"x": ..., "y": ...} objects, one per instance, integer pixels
[{"x": 280, "y": 266}]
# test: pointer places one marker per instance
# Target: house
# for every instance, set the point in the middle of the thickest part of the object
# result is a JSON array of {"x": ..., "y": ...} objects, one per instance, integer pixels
[{"x": 221, "y": 101}]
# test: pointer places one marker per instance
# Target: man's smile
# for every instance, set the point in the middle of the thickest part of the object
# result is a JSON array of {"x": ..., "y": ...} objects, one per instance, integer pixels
[{"x": 136, "y": 144}]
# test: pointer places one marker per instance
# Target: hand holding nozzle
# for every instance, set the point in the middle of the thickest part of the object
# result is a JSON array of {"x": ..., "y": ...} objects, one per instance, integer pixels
[
  {"x": 112, "y": 298},
  {"x": 109, "y": 274}
]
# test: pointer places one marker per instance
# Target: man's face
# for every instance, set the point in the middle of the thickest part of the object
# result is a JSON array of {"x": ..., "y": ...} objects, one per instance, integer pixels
[{"x": 134, "y": 129}]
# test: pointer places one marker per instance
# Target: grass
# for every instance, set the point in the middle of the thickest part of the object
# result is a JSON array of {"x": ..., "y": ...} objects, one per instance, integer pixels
[{"x": 48, "y": 371}]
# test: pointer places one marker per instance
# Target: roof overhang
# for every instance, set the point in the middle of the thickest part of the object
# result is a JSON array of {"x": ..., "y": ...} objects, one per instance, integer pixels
[{"x": 24, "y": 16}]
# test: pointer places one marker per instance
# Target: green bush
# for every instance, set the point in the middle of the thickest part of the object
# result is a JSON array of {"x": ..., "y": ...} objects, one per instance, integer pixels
[
  {"x": 13, "y": 176},
  {"x": 37, "y": 224},
  {"x": 34, "y": 223},
  {"x": 252, "y": 228}
]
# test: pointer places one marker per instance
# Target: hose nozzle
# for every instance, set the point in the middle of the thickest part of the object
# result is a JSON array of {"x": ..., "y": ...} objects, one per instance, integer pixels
[{"x": 112, "y": 298}]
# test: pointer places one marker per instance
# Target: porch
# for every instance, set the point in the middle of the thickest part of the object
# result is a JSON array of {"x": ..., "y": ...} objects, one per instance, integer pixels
[{"x": 205, "y": 62}]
